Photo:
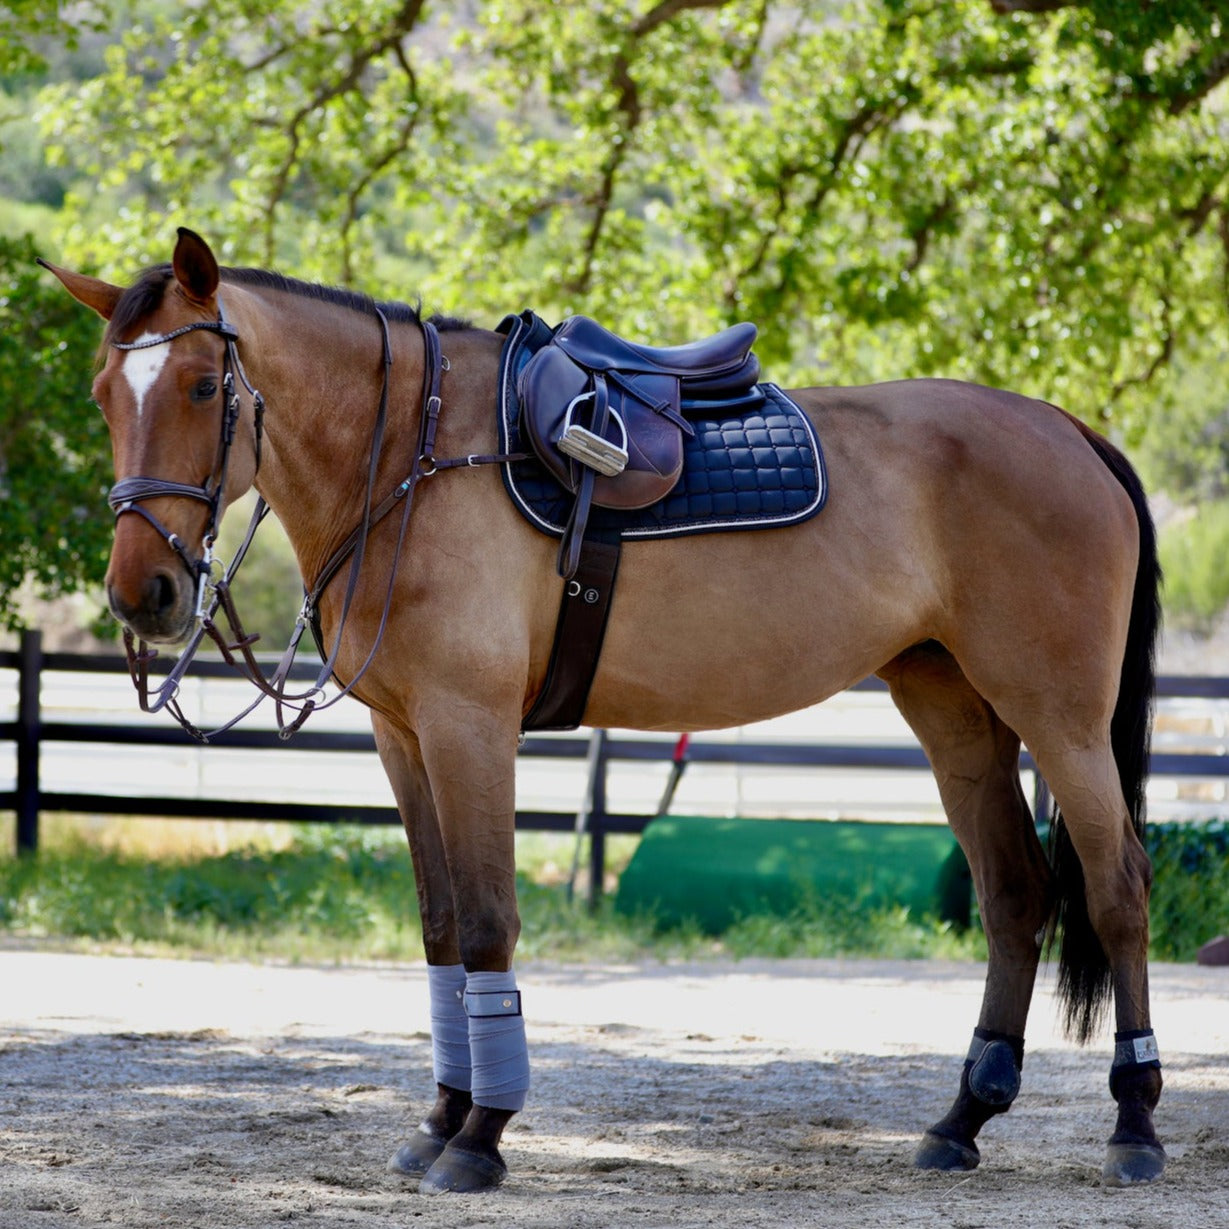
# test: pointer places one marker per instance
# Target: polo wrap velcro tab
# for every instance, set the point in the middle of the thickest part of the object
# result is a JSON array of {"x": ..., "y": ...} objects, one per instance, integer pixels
[
  {"x": 1136, "y": 1048},
  {"x": 492, "y": 1003}
]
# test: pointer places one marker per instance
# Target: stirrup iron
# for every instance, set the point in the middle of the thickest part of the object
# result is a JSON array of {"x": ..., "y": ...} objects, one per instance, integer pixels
[{"x": 590, "y": 448}]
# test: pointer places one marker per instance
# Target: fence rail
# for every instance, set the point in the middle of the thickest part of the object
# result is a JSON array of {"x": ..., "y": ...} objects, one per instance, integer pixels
[{"x": 30, "y": 733}]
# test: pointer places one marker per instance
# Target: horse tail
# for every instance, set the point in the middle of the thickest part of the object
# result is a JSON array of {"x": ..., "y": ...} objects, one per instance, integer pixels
[{"x": 1084, "y": 975}]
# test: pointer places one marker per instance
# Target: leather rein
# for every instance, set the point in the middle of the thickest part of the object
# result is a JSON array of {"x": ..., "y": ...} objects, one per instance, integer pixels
[{"x": 214, "y": 592}]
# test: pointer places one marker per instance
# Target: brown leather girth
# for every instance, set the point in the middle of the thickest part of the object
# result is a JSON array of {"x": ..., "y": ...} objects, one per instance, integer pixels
[{"x": 579, "y": 632}]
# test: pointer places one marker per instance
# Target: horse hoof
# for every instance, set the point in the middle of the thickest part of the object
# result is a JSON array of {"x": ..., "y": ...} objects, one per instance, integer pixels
[
  {"x": 939, "y": 1152},
  {"x": 463, "y": 1173},
  {"x": 1131, "y": 1164},
  {"x": 414, "y": 1159}
]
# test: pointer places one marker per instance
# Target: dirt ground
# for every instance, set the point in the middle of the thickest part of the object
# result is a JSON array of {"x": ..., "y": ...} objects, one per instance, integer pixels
[{"x": 141, "y": 1092}]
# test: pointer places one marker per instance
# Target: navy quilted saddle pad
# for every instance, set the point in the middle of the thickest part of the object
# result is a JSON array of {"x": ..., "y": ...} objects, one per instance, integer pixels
[{"x": 760, "y": 469}]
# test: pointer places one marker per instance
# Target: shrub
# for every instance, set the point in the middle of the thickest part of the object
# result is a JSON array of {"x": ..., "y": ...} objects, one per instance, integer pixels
[{"x": 1192, "y": 552}]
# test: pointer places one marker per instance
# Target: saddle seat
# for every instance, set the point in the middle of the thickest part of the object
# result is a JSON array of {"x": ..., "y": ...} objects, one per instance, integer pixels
[
  {"x": 606, "y": 415},
  {"x": 712, "y": 361}
]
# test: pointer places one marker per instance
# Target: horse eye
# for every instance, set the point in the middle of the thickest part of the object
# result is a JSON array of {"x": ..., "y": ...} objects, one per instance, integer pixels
[{"x": 205, "y": 390}]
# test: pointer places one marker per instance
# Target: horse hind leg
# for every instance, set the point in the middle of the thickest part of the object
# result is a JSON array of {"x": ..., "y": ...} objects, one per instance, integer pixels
[
  {"x": 975, "y": 758},
  {"x": 1105, "y": 878}
]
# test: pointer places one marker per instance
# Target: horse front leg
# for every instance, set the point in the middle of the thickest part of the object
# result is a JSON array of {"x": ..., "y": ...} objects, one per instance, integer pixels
[
  {"x": 470, "y": 762},
  {"x": 402, "y": 760}
]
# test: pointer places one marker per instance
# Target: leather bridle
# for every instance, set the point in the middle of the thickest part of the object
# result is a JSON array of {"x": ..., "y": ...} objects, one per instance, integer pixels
[
  {"x": 128, "y": 494},
  {"x": 213, "y": 593}
]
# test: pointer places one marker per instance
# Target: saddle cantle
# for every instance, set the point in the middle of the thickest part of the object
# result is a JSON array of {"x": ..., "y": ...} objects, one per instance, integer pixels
[{"x": 606, "y": 415}]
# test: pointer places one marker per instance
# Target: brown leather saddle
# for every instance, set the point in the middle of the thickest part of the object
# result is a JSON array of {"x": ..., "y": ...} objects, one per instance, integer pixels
[{"x": 607, "y": 416}]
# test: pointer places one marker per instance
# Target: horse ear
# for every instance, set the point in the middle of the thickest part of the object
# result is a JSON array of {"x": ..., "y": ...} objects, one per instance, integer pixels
[
  {"x": 196, "y": 269},
  {"x": 101, "y": 296}
]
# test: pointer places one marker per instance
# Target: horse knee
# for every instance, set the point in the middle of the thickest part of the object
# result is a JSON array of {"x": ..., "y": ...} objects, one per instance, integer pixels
[{"x": 487, "y": 939}]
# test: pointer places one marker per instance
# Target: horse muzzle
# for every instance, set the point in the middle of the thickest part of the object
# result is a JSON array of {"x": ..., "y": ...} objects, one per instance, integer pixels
[{"x": 158, "y": 607}]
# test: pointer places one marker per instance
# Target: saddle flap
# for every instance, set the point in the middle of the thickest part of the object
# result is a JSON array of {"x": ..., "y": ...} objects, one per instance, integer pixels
[{"x": 558, "y": 396}]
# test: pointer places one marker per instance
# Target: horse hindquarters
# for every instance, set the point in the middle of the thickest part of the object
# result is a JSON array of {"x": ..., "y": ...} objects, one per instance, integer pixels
[
  {"x": 975, "y": 761},
  {"x": 1072, "y": 674}
]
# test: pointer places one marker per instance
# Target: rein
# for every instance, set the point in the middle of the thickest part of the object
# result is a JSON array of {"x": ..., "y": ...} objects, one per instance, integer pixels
[{"x": 236, "y": 650}]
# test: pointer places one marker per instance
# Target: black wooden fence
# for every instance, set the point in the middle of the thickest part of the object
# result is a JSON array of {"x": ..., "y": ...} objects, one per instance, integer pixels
[{"x": 30, "y": 732}]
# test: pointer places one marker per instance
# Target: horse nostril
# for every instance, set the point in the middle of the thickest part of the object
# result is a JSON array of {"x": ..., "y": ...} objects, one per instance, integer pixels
[{"x": 162, "y": 594}]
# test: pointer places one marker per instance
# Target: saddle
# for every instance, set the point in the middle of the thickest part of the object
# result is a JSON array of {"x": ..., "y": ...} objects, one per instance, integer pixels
[{"x": 607, "y": 416}]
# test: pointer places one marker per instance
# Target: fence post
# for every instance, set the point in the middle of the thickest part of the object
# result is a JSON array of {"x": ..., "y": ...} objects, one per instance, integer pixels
[
  {"x": 29, "y": 721},
  {"x": 597, "y": 821}
]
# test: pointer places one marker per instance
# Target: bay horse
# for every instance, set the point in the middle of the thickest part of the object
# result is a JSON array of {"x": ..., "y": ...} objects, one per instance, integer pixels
[{"x": 990, "y": 557}]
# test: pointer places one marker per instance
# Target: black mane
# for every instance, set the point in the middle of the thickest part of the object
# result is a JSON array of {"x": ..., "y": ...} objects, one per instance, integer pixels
[
  {"x": 398, "y": 313},
  {"x": 145, "y": 295}
]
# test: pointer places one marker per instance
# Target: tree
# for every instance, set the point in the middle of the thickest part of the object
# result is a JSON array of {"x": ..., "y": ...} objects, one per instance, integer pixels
[
  {"x": 54, "y": 455},
  {"x": 1018, "y": 191},
  {"x": 1028, "y": 193},
  {"x": 25, "y": 25}
]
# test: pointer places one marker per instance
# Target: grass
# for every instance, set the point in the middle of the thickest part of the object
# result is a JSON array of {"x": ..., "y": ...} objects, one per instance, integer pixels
[
  {"x": 347, "y": 894},
  {"x": 1190, "y": 889}
]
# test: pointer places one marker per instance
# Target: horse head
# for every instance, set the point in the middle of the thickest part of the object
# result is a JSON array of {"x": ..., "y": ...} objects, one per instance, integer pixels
[{"x": 167, "y": 389}]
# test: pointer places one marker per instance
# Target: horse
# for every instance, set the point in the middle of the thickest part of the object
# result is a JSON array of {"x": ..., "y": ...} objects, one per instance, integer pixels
[{"x": 987, "y": 554}]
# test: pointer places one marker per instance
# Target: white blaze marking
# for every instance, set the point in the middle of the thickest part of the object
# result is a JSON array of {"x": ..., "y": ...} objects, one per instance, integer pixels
[{"x": 142, "y": 368}]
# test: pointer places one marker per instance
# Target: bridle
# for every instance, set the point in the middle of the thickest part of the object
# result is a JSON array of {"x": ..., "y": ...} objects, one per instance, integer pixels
[
  {"x": 128, "y": 494},
  {"x": 213, "y": 592}
]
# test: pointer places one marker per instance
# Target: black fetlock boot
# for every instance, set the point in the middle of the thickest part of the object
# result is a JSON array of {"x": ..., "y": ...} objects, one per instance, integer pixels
[{"x": 988, "y": 1085}]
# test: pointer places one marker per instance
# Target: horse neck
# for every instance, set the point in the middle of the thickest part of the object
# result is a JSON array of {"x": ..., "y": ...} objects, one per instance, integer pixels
[{"x": 319, "y": 367}]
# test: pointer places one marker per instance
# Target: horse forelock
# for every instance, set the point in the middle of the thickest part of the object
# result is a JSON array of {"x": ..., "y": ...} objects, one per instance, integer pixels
[{"x": 139, "y": 301}]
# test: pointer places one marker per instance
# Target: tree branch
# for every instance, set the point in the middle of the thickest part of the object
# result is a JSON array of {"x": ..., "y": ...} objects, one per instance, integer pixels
[
  {"x": 667, "y": 10},
  {"x": 354, "y": 197},
  {"x": 856, "y": 129},
  {"x": 922, "y": 232},
  {"x": 390, "y": 38},
  {"x": 1214, "y": 72},
  {"x": 1165, "y": 355},
  {"x": 628, "y": 103}
]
